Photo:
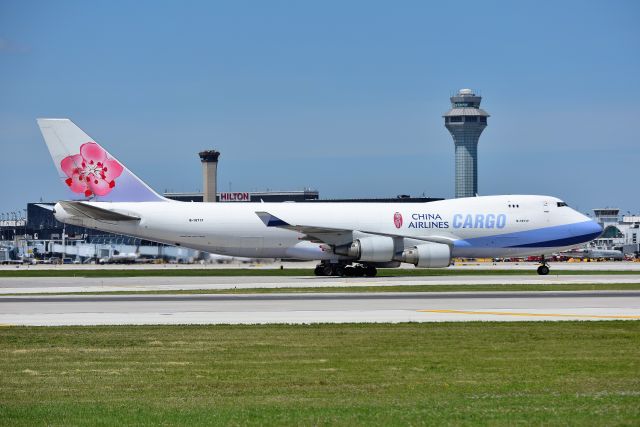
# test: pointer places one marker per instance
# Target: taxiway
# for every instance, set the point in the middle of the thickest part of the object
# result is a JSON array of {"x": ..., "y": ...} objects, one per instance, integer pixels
[
  {"x": 39, "y": 285},
  {"x": 317, "y": 308}
]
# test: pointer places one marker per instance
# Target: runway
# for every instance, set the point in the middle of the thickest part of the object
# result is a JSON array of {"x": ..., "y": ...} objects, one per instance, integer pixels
[
  {"x": 40, "y": 285},
  {"x": 265, "y": 265},
  {"x": 318, "y": 308}
]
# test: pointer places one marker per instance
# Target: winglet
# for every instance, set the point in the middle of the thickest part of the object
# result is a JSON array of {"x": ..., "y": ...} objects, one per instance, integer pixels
[{"x": 271, "y": 220}]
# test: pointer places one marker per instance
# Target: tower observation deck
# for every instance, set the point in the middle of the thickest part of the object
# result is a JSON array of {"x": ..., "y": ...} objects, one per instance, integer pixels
[{"x": 466, "y": 121}]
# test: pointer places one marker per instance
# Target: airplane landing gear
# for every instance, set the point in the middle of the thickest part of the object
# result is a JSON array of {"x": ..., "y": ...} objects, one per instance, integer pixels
[
  {"x": 324, "y": 269},
  {"x": 342, "y": 270},
  {"x": 543, "y": 270}
]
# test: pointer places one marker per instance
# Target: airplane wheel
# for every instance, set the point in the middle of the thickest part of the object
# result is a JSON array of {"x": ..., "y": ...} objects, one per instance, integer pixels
[
  {"x": 349, "y": 271},
  {"x": 358, "y": 271},
  {"x": 318, "y": 270},
  {"x": 370, "y": 271},
  {"x": 543, "y": 270},
  {"x": 327, "y": 270},
  {"x": 338, "y": 270}
]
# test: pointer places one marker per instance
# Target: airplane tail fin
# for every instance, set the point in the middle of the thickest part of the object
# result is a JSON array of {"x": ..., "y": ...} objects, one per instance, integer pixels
[{"x": 88, "y": 170}]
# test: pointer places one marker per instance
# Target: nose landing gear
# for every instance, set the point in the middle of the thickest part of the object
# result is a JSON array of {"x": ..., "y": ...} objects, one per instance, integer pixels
[{"x": 543, "y": 270}]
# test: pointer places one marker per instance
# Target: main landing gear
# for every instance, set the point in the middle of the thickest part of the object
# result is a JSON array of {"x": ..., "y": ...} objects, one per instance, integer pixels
[
  {"x": 342, "y": 270},
  {"x": 543, "y": 270}
]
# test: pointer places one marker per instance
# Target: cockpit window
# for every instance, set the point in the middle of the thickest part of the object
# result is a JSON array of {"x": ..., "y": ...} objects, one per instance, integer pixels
[{"x": 561, "y": 204}]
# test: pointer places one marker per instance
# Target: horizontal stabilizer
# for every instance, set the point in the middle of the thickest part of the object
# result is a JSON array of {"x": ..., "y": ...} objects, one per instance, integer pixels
[
  {"x": 45, "y": 206},
  {"x": 84, "y": 210}
]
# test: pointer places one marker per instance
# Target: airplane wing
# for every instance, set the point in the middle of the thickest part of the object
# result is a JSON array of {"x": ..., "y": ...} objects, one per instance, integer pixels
[
  {"x": 332, "y": 236},
  {"x": 84, "y": 210},
  {"x": 338, "y": 236}
]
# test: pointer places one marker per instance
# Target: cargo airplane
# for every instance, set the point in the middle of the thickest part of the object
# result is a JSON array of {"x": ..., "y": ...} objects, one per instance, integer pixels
[{"x": 347, "y": 238}]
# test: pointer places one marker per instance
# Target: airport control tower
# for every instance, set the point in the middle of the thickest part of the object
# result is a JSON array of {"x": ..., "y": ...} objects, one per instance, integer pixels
[
  {"x": 209, "y": 160},
  {"x": 466, "y": 121}
]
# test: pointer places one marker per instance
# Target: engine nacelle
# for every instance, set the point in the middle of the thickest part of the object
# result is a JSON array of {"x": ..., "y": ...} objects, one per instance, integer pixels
[
  {"x": 386, "y": 264},
  {"x": 372, "y": 249},
  {"x": 428, "y": 255}
]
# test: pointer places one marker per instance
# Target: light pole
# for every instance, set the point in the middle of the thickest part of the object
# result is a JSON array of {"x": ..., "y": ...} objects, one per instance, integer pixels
[{"x": 64, "y": 247}]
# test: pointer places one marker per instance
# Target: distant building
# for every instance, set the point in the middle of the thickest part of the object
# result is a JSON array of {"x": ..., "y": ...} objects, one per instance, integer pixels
[
  {"x": 294, "y": 196},
  {"x": 398, "y": 199},
  {"x": 249, "y": 196}
]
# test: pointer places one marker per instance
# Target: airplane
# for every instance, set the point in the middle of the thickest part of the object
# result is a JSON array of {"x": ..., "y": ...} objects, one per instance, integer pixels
[
  {"x": 590, "y": 253},
  {"x": 352, "y": 239}
]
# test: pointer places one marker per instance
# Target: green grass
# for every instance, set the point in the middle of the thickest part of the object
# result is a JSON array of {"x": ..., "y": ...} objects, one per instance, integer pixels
[
  {"x": 396, "y": 288},
  {"x": 230, "y": 272},
  {"x": 570, "y": 373}
]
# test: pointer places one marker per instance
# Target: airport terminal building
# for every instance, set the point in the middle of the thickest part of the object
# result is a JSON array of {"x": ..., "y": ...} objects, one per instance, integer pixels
[{"x": 618, "y": 233}]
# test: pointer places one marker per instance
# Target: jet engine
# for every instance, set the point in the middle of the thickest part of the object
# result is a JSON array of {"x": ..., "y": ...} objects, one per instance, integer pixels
[
  {"x": 371, "y": 249},
  {"x": 428, "y": 255}
]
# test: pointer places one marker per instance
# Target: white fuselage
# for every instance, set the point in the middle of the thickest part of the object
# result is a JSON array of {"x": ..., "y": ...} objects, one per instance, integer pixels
[{"x": 489, "y": 226}]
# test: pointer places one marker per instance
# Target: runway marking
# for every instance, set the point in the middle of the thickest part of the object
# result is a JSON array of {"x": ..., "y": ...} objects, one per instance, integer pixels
[{"x": 514, "y": 313}]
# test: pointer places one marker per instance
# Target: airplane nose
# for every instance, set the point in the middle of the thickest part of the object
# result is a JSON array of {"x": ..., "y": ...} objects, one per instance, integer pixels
[
  {"x": 595, "y": 228},
  {"x": 587, "y": 230},
  {"x": 586, "y": 225}
]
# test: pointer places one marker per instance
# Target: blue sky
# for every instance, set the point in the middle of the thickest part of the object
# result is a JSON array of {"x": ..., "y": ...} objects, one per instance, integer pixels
[{"x": 342, "y": 96}]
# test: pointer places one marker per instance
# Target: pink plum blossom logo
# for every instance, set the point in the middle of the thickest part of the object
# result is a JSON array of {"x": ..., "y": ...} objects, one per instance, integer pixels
[
  {"x": 397, "y": 219},
  {"x": 91, "y": 171}
]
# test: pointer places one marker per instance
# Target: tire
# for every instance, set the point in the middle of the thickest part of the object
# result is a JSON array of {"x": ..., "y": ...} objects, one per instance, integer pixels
[
  {"x": 318, "y": 270},
  {"x": 543, "y": 270},
  {"x": 327, "y": 270},
  {"x": 370, "y": 271},
  {"x": 349, "y": 271},
  {"x": 338, "y": 270},
  {"x": 358, "y": 271}
]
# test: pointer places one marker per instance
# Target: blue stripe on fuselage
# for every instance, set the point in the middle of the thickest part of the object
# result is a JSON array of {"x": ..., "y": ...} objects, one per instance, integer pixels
[{"x": 557, "y": 236}]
